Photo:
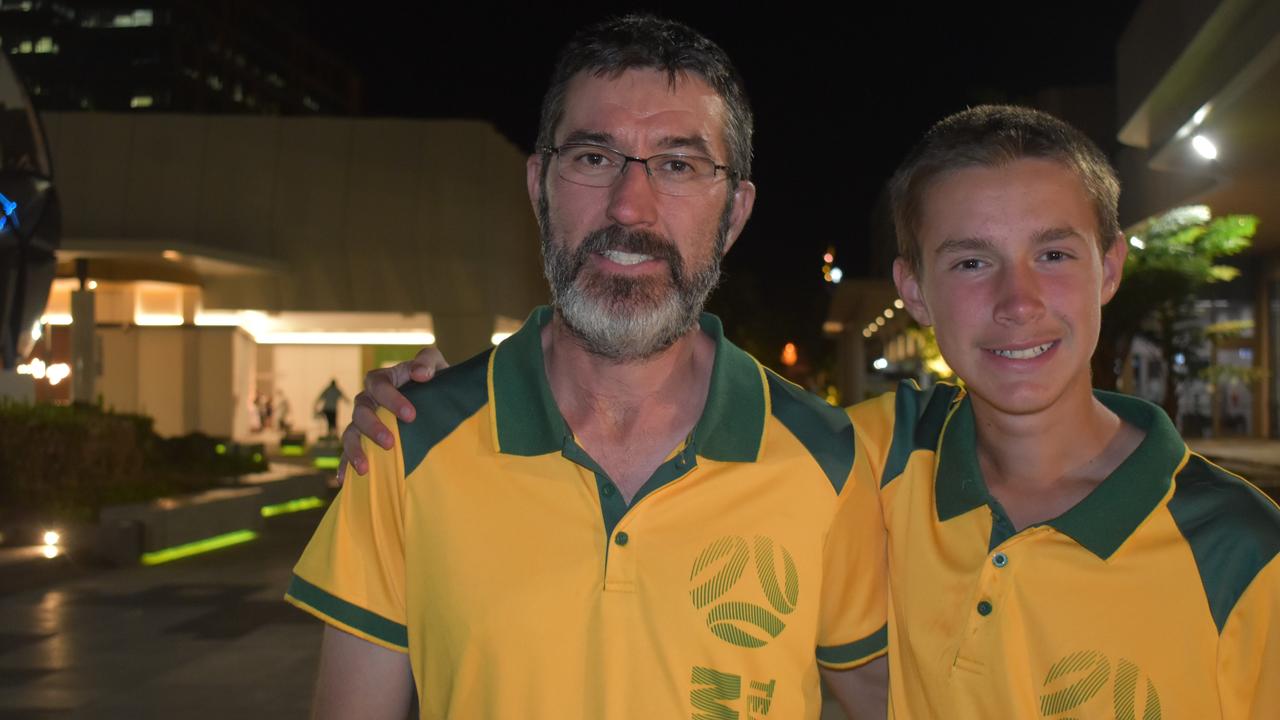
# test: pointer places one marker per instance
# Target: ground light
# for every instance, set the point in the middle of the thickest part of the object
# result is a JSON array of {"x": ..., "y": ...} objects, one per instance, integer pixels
[
  {"x": 327, "y": 462},
  {"x": 292, "y": 506},
  {"x": 200, "y": 546}
]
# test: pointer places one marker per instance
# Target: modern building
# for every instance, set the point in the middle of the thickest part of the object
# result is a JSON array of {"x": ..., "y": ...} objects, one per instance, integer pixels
[
  {"x": 193, "y": 56},
  {"x": 233, "y": 258},
  {"x": 1198, "y": 101}
]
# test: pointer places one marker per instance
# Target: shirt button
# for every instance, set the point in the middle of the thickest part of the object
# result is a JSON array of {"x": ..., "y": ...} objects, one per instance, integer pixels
[
  {"x": 984, "y": 608},
  {"x": 607, "y": 490},
  {"x": 620, "y": 539},
  {"x": 999, "y": 559}
]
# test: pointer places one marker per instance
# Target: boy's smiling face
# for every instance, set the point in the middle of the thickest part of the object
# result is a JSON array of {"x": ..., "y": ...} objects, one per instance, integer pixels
[{"x": 1012, "y": 278}]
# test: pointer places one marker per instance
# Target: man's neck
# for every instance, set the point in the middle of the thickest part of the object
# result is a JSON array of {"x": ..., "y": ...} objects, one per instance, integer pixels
[
  {"x": 1039, "y": 465},
  {"x": 628, "y": 415}
]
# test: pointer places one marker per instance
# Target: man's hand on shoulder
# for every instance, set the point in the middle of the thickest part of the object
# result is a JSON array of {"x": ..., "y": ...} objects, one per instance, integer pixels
[{"x": 382, "y": 389}]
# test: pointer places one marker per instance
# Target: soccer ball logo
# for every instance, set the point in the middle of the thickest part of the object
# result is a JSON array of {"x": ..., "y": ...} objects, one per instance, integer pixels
[{"x": 738, "y": 620}]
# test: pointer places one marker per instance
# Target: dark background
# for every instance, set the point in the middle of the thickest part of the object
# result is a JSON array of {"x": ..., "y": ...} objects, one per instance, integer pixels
[{"x": 839, "y": 97}]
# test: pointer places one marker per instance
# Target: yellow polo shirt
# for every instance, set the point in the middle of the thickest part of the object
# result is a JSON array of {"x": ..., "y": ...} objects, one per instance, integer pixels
[
  {"x": 1157, "y": 596},
  {"x": 492, "y": 549}
]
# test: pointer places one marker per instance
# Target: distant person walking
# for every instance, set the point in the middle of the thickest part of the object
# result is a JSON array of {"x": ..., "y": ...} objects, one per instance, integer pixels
[{"x": 328, "y": 406}]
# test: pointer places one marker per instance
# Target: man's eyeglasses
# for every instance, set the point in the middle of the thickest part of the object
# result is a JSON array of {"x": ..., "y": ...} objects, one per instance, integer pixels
[{"x": 671, "y": 173}]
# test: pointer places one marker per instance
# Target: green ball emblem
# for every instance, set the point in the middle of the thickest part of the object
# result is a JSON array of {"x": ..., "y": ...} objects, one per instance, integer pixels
[{"x": 733, "y": 611}]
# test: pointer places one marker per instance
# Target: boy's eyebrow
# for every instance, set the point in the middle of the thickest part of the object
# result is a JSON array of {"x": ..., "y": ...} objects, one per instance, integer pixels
[
  {"x": 1054, "y": 234},
  {"x": 977, "y": 243},
  {"x": 963, "y": 244}
]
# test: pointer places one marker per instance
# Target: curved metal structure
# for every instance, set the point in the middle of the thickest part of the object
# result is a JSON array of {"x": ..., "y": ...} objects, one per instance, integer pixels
[{"x": 30, "y": 220}]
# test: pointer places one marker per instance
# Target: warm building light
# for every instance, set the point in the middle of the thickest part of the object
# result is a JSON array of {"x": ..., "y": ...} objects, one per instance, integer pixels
[
  {"x": 866, "y": 333},
  {"x": 888, "y": 313},
  {"x": 156, "y": 319},
  {"x": 36, "y": 331},
  {"x": 346, "y": 338},
  {"x": 56, "y": 319},
  {"x": 35, "y": 368},
  {"x": 173, "y": 255},
  {"x": 92, "y": 285},
  {"x": 789, "y": 354},
  {"x": 58, "y": 372},
  {"x": 828, "y": 258},
  {"x": 52, "y": 537},
  {"x": 1205, "y": 147},
  {"x": 499, "y": 337},
  {"x": 49, "y": 551},
  {"x": 880, "y": 321}
]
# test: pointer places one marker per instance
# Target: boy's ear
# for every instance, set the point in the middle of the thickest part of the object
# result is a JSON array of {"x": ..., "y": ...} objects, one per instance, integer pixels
[
  {"x": 1113, "y": 267},
  {"x": 904, "y": 276}
]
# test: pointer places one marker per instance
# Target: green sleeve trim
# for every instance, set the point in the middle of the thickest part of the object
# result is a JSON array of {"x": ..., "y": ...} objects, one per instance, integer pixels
[
  {"x": 443, "y": 403},
  {"x": 856, "y": 652},
  {"x": 825, "y": 431},
  {"x": 918, "y": 418},
  {"x": 1232, "y": 528},
  {"x": 354, "y": 616}
]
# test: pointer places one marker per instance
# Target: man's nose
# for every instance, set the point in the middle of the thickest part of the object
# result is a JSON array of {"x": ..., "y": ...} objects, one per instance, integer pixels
[
  {"x": 632, "y": 199},
  {"x": 1020, "y": 299}
]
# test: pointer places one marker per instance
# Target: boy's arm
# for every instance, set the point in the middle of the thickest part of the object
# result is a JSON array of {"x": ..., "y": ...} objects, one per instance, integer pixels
[
  {"x": 862, "y": 692},
  {"x": 360, "y": 679}
]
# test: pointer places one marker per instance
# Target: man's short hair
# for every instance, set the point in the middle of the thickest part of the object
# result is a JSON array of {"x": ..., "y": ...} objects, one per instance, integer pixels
[
  {"x": 635, "y": 42},
  {"x": 991, "y": 136}
]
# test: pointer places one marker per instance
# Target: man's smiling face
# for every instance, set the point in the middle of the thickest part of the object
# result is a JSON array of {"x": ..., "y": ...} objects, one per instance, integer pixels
[{"x": 630, "y": 268}]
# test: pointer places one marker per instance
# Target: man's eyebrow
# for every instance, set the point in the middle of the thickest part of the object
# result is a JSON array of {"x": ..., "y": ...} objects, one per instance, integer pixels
[
  {"x": 694, "y": 142},
  {"x": 594, "y": 137},
  {"x": 964, "y": 244}
]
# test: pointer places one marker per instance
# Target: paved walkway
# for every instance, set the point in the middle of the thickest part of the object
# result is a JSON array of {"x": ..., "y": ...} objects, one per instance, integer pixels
[{"x": 204, "y": 637}]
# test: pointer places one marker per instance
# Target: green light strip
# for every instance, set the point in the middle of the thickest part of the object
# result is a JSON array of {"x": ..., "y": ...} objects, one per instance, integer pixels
[
  {"x": 292, "y": 506},
  {"x": 292, "y": 450},
  {"x": 200, "y": 546},
  {"x": 327, "y": 463}
]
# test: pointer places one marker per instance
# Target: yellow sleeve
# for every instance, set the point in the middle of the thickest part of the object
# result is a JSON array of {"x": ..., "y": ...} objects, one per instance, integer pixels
[
  {"x": 1249, "y": 650},
  {"x": 352, "y": 573},
  {"x": 853, "y": 627}
]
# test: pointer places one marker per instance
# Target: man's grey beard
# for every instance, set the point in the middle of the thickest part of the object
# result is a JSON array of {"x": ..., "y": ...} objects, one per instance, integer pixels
[{"x": 626, "y": 318}]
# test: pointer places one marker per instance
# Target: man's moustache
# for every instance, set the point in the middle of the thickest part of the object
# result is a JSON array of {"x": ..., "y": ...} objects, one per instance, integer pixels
[{"x": 638, "y": 242}]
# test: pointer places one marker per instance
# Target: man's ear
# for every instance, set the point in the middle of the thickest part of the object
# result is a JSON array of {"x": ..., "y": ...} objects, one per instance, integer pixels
[
  {"x": 533, "y": 177},
  {"x": 904, "y": 277},
  {"x": 744, "y": 200},
  {"x": 1113, "y": 267}
]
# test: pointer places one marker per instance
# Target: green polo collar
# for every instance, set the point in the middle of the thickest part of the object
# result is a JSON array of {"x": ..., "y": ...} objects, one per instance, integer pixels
[
  {"x": 1106, "y": 517},
  {"x": 526, "y": 420}
]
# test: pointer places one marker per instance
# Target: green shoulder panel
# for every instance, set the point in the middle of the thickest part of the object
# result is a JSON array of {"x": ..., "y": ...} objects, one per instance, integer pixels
[
  {"x": 825, "y": 431},
  {"x": 917, "y": 424},
  {"x": 1232, "y": 528},
  {"x": 443, "y": 403}
]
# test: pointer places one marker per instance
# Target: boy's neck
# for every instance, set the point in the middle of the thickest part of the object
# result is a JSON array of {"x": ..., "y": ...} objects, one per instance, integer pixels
[{"x": 1039, "y": 465}]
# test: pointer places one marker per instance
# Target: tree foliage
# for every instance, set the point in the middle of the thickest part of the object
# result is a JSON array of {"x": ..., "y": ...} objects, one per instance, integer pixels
[{"x": 1172, "y": 258}]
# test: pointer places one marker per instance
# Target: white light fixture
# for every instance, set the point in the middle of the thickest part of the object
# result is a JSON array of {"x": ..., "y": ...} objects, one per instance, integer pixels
[
  {"x": 1205, "y": 147},
  {"x": 36, "y": 331},
  {"x": 49, "y": 551},
  {"x": 1137, "y": 242},
  {"x": 35, "y": 368},
  {"x": 56, "y": 319},
  {"x": 157, "y": 319},
  {"x": 93, "y": 285},
  {"x": 57, "y": 372},
  {"x": 899, "y": 304},
  {"x": 888, "y": 313},
  {"x": 836, "y": 274},
  {"x": 1201, "y": 114},
  {"x": 880, "y": 364},
  {"x": 499, "y": 337},
  {"x": 52, "y": 537}
]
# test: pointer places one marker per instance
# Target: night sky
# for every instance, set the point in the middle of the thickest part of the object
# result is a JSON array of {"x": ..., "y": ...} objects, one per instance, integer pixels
[{"x": 839, "y": 99}]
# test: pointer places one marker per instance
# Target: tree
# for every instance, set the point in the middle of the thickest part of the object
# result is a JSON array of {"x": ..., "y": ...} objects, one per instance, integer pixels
[{"x": 1172, "y": 258}]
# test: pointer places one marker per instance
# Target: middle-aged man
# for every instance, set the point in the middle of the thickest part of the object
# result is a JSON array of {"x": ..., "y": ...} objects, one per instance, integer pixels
[
  {"x": 615, "y": 513},
  {"x": 1053, "y": 552}
]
